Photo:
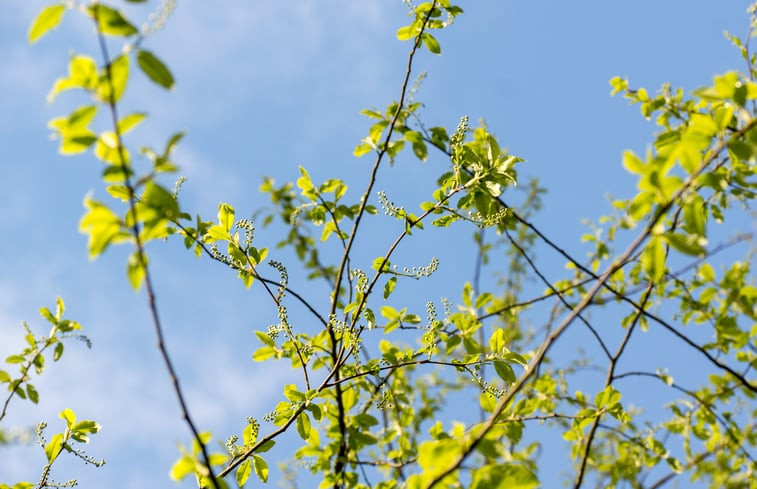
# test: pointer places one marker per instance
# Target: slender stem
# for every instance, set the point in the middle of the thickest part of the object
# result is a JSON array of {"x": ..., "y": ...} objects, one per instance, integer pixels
[
  {"x": 556, "y": 292},
  {"x": 337, "y": 357},
  {"x": 141, "y": 254},
  {"x": 342, "y": 452},
  {"x": 479, "y": 237}
]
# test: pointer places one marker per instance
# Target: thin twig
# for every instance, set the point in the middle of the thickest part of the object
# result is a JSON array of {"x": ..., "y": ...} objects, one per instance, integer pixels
[
  {"x": 334, "y": 372},
  {"x": 556, "y": 292},
  {"x": 141, "y": 254}
]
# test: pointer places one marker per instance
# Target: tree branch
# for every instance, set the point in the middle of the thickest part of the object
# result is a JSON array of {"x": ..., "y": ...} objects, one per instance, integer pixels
[{"x": 585, "y": 301}]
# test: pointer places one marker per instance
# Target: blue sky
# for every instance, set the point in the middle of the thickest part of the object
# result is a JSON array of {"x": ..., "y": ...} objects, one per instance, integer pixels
[{"x": 261, "y": 88}]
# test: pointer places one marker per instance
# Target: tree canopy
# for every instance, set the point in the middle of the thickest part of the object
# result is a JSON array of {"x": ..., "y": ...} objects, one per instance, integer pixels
[{"x": 635, "y": 359}]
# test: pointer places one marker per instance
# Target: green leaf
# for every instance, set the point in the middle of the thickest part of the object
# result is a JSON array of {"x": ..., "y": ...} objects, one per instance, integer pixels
[
  {"x": 31, "y": 391},
  {"x": 119, "y": 192},
  {"x": 73, "y": 130},
  {"x": 377, "y": 263},
  {"x": 497, "y": 341},
  {"x": 261, "y": 467},
  {"x": 108, "y": 150},
  {"x": 119, "y": 77},
  {"x": 291, "y": 393},
  {"x": 389, "y": 312},
  {"x": 111, "y": 21},
  {"x": 406, "y": 32},
  {"x": 155, "y": 69},
  {"x": 431, "y": 43},
  {"x": 82, "y": 73},
  {"x": 694, "y": 215},
  {"x": 60, "y": 307},
  {"x": 14, "y": 359},
  {"x": 225, "y": 216},
  {"x": 420, "y": 150},
  {"x": 68, "y": 415},
  {"x": 135, "y": 271},
  {"x": 303, "y": 425},
  {"x": 53, "y": 448},
  {"x": 607, "y": 397},
  {"x": 265, "y": 339},
  {"x": 217, "y": 233},
  {"x": 389, "y": 287},
  {"x": 81, "y": 430},
  {"x": 47, "y": 20},
  {"x": 58, "y": 352},
  {"x": 243, "y": 472},
  {"x": 512, "y": 357},
  {"x": 361, "y": 149},
  {"x": 263, "y": 353},
  {"x": 162, "y": 201},
  {"x": 129, "y": 122},
  {"x": 4, "y": 377},
  {"x": 505, "y": 371},
  {"x": 707, "y": 272},
  {"x": 102, "y": 226},
  {"x": 685, "y": 243},
  {"x": 305, "y": 183},
  {"x": 265, "y": 446},
  {"x": 633, "y": 164},
  {"x": 182, "y": 468},
  {"x": 653, "y": 258}
]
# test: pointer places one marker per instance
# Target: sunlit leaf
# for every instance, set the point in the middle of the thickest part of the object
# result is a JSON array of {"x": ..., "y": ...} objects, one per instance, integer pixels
[{"x": 47, "y": 20}]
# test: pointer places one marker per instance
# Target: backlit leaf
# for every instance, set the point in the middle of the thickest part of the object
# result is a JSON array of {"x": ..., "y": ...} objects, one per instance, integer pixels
[{"x": 47, "y": 20}]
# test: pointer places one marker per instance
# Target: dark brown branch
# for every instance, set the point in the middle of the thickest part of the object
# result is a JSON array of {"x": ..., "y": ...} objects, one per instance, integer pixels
[
  {"x": 404, "y": 364},
  {"x": 141, "y": 253},
  {"x": 334, "y": 373},
  {"x": 342, "y": 453},
  {"x": 556, "y": 292}
]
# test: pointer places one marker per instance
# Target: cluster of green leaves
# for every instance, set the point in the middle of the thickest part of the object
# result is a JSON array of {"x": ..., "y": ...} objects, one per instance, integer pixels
[
  {"x": 377, "y": 379},
  {"x": 32, "y": 359}
]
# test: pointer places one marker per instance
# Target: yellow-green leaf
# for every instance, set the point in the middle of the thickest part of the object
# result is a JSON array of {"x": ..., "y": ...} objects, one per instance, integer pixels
[
  {"x": 243, "y": 472},
  {"x": 53, "y": 448},
  {"x": 431, "y": 43},
  {"x": 119, "y": 76},
  {"x": 69, "y": 416},
  {"x": 182, "y": 468},
  {"x": 303, "y": 425},
  {"x": 135, "y": 271},
  {"x": 130, "y": 121},
  {"x": 111, "y": 21},
  {"x": 653, "y": 258},
  {"x": 47, "y": 20},
  {"x": 261, "y": 467}
]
